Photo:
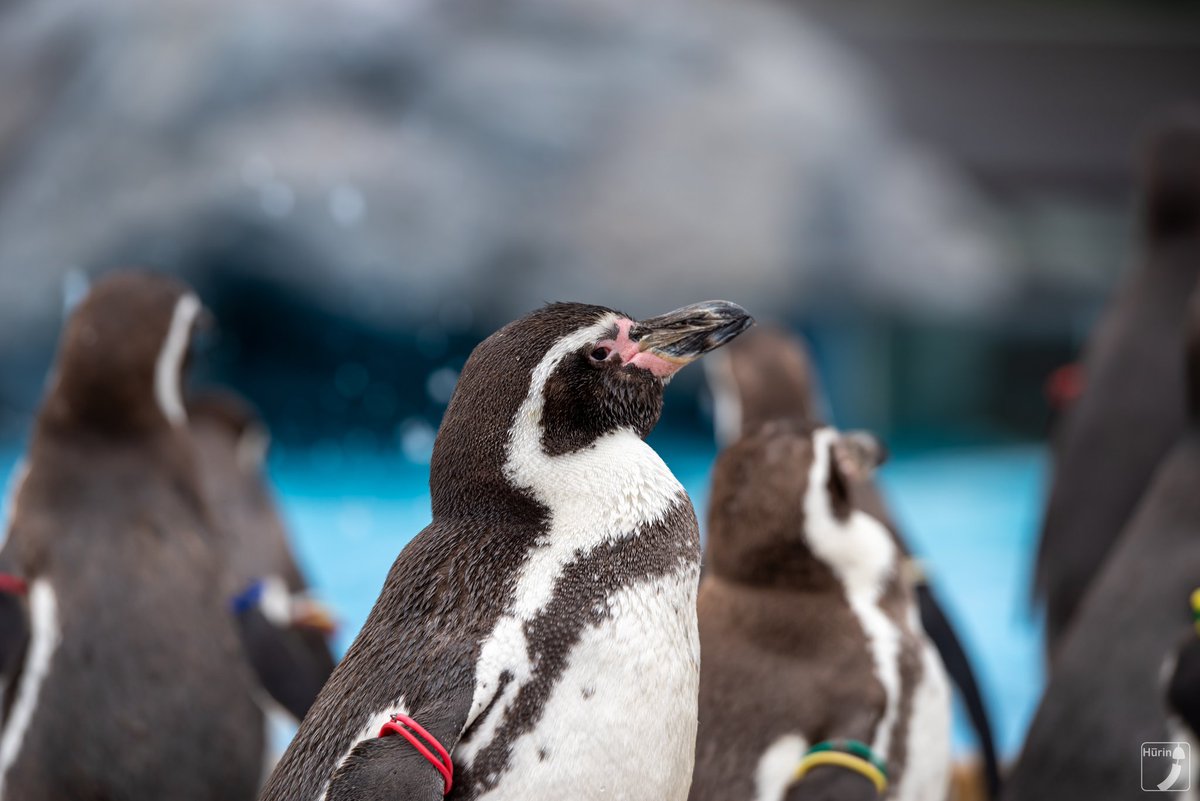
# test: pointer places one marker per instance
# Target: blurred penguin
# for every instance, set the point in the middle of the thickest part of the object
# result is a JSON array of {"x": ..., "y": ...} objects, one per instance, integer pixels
[
  {"x": 1104, "y": 696},
  {"x": 288, "y": 642},
  {"x": 817, "y": 682},
  {"x": 1131, "y": 409},
  {"x": 125, "y": 675},
  {"x": 768, "y": 374}
]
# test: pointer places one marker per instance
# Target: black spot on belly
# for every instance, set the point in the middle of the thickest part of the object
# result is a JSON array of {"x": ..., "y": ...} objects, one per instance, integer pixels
[
  {"x": 543, "y": 755},
  {"x": 588, "y": 692}
]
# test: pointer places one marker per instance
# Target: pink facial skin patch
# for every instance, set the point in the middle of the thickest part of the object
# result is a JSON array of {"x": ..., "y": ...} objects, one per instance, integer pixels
[{"x": 631, "y": 352}]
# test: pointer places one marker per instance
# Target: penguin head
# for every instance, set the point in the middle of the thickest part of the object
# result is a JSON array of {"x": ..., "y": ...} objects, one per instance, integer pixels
[
  {"x": 122, "y": 355},
  {"x": 231, "y": 418},
  {"x": 782, "y": 513},
  {"x": 765, "y": 375},
  {"x": 611, "y": 374},
  {"x": 563, "y": 377}
]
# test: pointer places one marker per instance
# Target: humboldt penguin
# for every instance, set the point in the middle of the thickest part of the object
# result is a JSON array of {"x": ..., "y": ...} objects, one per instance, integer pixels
[
  {"x": 1105, "y": 695},
  {"x": 1131, "y": 408},
  {"x": 538, "y": 639},
  {"x": 818, "y": 681},
  {"x": 767, "y": 375},
  {"x": 288, "y": 643},
  {"x": 132, "y": 683}
]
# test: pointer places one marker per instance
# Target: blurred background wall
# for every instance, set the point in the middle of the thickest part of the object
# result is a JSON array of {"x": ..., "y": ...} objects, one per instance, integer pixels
[{"x": 939, "y": 194}]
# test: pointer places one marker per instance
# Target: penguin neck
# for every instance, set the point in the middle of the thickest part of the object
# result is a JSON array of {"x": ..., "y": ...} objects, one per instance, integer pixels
[
  {"x": 785, "y": 567},
  {"x": 616, "y": 479},
  {"x": 857, "y": 547},
  {"x": 158, "y": 453},
  {"x": 617, "y": 482},
  {"x": 104, "y": 390},
  {"x": 124, "y": 412}
]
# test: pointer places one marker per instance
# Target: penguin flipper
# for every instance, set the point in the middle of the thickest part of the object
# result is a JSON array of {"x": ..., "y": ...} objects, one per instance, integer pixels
[
  {"x": 385, "y": 769},
  {"x": 940, "y": 631},
  {"x": 291, "y": 672}
]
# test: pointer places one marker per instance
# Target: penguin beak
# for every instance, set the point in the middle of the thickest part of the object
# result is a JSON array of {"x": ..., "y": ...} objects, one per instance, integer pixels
[{"x": 684, "y": 335}]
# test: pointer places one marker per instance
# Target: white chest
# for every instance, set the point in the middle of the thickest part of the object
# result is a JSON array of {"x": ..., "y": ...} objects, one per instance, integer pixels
[
  {"x": 927, "y": 771},
  {"x": 620, "y": 722}
]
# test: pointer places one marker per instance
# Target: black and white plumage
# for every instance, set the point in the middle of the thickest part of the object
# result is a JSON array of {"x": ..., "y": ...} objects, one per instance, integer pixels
[{"x": 543, "y": 626}]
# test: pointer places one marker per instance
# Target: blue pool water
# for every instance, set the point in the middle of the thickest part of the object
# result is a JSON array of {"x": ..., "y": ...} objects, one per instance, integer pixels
[{"x": 971, "y": 515}]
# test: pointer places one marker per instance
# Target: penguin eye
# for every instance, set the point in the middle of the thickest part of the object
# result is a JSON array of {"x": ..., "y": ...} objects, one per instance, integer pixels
[{"x": 599, "y": 354}]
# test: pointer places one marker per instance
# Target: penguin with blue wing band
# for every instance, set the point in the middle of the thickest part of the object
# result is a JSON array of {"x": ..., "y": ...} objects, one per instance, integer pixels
[
  {"x": 130, "y": 639},
  {"x": 285, "y": 630}
]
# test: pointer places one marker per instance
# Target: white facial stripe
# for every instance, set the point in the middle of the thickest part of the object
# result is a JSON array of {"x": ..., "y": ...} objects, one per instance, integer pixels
[
  {"x": 862, "y": 555},
  {"x": 597, "y": 495},
  {"x": 727, "y": 400},
  {"x": 44, "y": 637},
  {"x": 777, "y": 766},
  {"x": 525, "y": 455},
  {"x": 167, "y": 370}
]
